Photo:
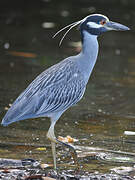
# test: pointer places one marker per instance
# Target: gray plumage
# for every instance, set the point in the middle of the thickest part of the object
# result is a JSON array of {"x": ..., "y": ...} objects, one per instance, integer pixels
[
  {"x": 54, "y": 90},
  {"x": 62, "y": 85}
]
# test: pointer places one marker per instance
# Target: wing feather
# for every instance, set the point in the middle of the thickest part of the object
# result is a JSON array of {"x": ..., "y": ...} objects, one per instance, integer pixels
[
  {"x": 62, "y": 98},
  {"x": 54, "y": 90}
]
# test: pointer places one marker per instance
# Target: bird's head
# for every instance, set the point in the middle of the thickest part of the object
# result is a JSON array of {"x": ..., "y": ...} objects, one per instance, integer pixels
[
  {"x": 97, "y": 24},
  {"x": 94, "y": 24}
]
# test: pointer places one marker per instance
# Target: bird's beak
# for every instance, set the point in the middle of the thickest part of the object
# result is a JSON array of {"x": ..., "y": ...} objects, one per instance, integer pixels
[{"x": 116, "y": 26}]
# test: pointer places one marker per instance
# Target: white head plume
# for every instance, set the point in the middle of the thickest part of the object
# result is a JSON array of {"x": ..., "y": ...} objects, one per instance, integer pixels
[{"x": 70, "y": 26}]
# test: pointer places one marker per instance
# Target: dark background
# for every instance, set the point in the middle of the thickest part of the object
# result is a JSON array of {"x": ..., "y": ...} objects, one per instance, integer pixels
[{"x": 27, "y": 48}]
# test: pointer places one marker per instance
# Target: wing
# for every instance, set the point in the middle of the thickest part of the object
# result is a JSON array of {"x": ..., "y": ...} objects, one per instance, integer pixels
[
  {"x": 54, "y": 90},
  {"x": 60, "y": 97}
]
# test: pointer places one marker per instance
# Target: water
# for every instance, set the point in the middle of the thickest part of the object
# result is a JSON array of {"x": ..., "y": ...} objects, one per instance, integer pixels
[{"x": 107, "y": 109}]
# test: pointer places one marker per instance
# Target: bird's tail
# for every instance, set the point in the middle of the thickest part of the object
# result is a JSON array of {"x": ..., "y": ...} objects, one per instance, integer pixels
[{"x": 14, "y": 115}]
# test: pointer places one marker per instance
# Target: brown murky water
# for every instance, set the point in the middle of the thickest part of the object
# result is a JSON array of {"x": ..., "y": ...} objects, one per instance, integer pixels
[{"x": 106, "y": 111}]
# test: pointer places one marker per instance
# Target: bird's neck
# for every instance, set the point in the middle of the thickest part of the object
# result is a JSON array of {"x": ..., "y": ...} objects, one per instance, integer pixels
[{"x": 88, "y": 55}]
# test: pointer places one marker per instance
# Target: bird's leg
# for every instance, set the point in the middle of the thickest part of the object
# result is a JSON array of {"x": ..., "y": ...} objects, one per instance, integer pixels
[
  {"x": 72, "y": 151},
  {"x": 52, "y": 138},
  {"x": 54, "y": 153}
]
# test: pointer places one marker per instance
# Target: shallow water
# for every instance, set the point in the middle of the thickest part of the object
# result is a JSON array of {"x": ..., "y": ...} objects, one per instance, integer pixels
[{"x": 106, "y": 111}]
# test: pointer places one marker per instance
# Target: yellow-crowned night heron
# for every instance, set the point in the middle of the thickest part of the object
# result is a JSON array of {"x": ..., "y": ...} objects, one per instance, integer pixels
[{"x": 62, "y": 85}]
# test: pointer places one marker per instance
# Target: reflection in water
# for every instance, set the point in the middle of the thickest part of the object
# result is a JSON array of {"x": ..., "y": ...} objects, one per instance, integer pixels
[{"x": 107, "y": 109}]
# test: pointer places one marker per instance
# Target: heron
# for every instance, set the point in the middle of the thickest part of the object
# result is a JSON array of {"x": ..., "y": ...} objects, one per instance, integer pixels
[{"x": 63, "y": 84}]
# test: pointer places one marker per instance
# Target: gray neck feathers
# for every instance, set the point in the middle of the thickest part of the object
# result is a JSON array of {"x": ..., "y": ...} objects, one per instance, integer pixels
[{"x": 88, "y": 55}]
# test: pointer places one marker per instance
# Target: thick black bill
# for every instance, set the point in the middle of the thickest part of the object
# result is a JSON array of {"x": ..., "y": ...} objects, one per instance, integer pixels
[{"x": 116, "y": 26}]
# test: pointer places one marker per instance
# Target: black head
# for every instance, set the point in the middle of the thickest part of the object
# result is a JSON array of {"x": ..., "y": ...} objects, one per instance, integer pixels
[
  {"x": 97, "y": 24},
  {"x": 94, "y": 24}
]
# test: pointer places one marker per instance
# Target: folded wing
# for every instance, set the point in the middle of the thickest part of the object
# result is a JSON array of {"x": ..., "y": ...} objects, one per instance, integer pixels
[{"x": 54, "y": 90}]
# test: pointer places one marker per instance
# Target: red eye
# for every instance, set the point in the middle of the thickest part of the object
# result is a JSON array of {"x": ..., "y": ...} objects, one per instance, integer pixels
[{"x": 103, "y": 22}]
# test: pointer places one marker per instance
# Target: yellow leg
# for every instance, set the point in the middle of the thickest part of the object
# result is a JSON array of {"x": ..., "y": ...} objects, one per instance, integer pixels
[
  {"x": 54, "y": 154},
  {"x": 54, "y": 140},
  {"x": 72, "y": 151}
]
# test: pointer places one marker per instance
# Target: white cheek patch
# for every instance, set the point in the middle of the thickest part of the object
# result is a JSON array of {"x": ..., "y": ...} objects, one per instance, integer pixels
[{"x": 94, "y": 25}]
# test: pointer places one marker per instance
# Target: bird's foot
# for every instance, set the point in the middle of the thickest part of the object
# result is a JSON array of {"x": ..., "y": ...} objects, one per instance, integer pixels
[{"x": 72, "y": 151}]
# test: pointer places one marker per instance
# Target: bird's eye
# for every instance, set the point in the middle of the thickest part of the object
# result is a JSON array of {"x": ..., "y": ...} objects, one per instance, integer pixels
[{"x": 102, "y": 22}]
